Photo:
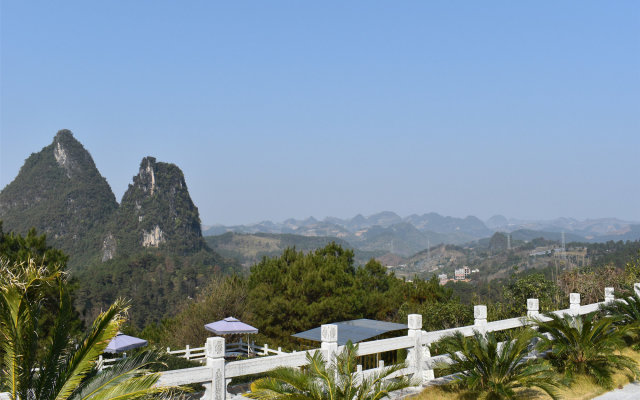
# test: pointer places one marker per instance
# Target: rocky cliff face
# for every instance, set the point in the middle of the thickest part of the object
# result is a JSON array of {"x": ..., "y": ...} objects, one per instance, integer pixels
[
  {"x": 60, "y": 192},
  {"x": 156, "y": 211}
]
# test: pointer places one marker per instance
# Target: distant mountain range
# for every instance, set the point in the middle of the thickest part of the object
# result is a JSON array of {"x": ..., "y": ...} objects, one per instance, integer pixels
[{"x": 408, "y": 235}]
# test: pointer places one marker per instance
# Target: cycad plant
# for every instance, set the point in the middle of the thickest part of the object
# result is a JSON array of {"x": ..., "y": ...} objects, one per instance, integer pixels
[
  {"x": 626, "y": 312},
  {"x": 67, "y": 369},
  {"x": 585, "y": 345},
  {"x": 489, "y": 369},
  {"x": 338, "y": 381}
]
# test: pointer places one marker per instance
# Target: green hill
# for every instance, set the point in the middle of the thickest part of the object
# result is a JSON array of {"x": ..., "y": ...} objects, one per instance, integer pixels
[
  {"x": 60, "y": 192},
  {"x": 156, "y": 212}
]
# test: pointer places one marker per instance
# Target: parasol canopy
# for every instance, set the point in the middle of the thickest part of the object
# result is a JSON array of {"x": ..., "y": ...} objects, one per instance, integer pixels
[
  {"x": 123, "y": 342},
  {"x": 230, "y": 326}
]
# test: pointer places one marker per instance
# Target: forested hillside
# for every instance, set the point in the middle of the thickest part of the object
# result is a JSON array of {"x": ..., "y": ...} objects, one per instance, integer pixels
[
  {"x": 295, "y": 291},
  {"x": 249, "y": 249},
  {"x": 156, "y": 212},
  {"x": 156, "y": 281},
  {"x": 60, "y": 192}
]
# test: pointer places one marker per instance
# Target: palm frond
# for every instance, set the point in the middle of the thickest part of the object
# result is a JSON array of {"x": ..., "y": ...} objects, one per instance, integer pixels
[
  {"x": 64, "y": 370},
  {"x": 49, "y": 368},
  {"x": 627, "y": 313},
  {"x": 81, "y": 361},
  {"x": 133, "y": 387},
  {"x": 20, "y": 302},
  {"x": 585, "y": 345},
  {"x": 119, "y": 373},
  {"x": 338, "y": 381},
  {"x": 482, "y": 365}
]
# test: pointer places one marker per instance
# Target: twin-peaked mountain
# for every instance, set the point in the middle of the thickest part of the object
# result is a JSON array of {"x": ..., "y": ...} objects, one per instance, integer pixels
[
  {"x": 149, "y": 248},
  {"x": 60, "y": 192}
]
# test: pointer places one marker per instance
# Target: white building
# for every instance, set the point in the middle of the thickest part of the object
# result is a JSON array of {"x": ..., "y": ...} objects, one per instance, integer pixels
[{"x": 462, "y": 273}]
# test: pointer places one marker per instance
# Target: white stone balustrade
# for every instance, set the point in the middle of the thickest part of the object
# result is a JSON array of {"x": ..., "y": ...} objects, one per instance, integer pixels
[
  {"x": 329, "y": 337},
  {"x": 574, "y": 303},
  {"x": 480, "y": 318},
  {"x": 420, "y": 364},
  {"x": 608, "y": 295},
  {"x": 533, "y": 308}
]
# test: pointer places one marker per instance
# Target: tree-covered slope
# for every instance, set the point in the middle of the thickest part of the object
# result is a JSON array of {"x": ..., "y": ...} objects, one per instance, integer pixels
[
  {"x": 153, "y": 250},
  {"x": 61, "y": 193},
  {"x": 156, "y": 281},
  {"x": 156, "y": 212},
  {"x": 249, "y": 249}
]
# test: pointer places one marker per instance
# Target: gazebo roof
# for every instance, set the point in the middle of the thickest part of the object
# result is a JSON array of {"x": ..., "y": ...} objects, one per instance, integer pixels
[
  {"x": 230, "y": 326},
  {"x": 123, "y": 342},
  {"x": 355, "y": 331}
]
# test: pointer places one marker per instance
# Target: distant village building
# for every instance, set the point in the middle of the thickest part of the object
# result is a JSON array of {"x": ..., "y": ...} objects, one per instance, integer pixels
[
  {"x": 462, "y": 273},
  {"x": 537, "y": 252},
  {"x": 443, "y": 279}
]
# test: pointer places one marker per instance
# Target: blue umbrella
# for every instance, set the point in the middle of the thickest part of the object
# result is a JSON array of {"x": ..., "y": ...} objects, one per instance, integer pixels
[{"x": 122, "y": 343}]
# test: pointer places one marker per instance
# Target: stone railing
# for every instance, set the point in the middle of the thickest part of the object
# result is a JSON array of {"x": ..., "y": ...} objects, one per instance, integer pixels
[
  {"x": 231, "y": 349},
  {"x": 198, "y": 354},
  {"x": 217, "y": 373}
]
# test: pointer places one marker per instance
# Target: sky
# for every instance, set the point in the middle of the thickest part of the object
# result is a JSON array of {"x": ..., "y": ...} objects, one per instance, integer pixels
[{"x": 287, "y": 109}]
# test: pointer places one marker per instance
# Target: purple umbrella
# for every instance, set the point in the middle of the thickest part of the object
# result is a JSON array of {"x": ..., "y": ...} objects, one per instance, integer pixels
[
  {"x": 230, "y": 326},
  {"x": 122, "y": 343}
]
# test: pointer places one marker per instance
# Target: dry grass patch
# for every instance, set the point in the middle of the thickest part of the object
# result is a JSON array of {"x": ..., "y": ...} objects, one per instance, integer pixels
[{"x": 582, "y": 388}]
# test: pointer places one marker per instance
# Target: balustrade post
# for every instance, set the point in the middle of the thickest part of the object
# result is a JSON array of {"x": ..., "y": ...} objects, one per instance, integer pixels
[
  {"x": 187, "y": 353},
  {"x": 217, "y": 388},
  {"x": 574, "y": 303},
  {"x": 416, "y": 355},
  {"x": 428, "y": 374},
  {"x": 329, "y": 336},
  {"x": 608, "y": 295},
  {"x": 480, "y": 318},
  {"x": 266, "y": 350},
  {"x": 533, "y": 308}
]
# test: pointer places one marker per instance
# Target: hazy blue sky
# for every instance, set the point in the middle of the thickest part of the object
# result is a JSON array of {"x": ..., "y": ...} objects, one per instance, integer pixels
[{"x": 291, "y": 109}]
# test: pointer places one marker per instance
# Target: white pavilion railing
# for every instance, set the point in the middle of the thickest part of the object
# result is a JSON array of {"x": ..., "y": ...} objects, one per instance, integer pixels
[
  {"x": 237, "y": 348},
  {"x": 198, "y": 353}
]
